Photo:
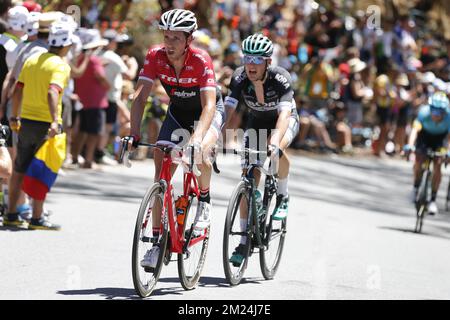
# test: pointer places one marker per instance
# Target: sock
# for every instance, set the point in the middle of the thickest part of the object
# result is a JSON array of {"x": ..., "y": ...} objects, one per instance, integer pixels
[
  {"x": 204, "y": 195},
  {"x": 13, "y": 216},
  {"x": 283, "y": 186},
  {"x": 243, "y": 229},
  {"x": 155, "y": 232},
  {"x": 35, "y": 221},
  {"x": 98, "y": 154},
  {"x": 433, "y": 196}
]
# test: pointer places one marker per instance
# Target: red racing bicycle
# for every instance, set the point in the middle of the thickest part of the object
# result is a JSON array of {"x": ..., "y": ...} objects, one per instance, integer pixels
[{"x": 176, "y": 231}]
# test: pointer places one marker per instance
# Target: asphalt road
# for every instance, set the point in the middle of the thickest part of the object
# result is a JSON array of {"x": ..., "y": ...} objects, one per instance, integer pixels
[{"x": 350, "y": 236}]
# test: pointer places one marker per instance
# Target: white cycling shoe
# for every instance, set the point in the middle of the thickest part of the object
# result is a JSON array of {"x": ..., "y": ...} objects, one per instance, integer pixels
[
  {"x": 151, "y": 258},
  {"x": 432, "y": 208},
  {"x": 202, "y": 217}
]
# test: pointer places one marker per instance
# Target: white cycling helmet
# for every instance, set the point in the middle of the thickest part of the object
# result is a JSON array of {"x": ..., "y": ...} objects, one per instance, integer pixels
[
  {"x": 32, "y": 26},
  {"x": 18, "y": 18},
  {"x": 178, "y": 20},
  {"x": 60, "y": 35}
]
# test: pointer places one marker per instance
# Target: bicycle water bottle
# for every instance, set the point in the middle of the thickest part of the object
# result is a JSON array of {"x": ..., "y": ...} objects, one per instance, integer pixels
[{"x": 181, "y": 207}]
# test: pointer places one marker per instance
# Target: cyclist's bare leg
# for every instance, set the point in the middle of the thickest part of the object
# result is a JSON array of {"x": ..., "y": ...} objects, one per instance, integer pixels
[
  {"x": 284, "y": 164},
  {"x": 437, "y": 174},
  {"x": 208, "y": 143},
  {"x": 420, "y": 159}
]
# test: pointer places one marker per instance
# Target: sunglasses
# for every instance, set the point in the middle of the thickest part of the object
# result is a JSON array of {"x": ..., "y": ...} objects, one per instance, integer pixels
[
  {"x": 254, "y": 60},
  {"x": 437, "y": 111}
]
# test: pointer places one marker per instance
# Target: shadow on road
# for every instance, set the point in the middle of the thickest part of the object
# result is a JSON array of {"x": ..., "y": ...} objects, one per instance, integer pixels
[
  {"x": 423, "y": 233},
  {"x": 213, "y": 281},
  {"x": 107, "y": 293}
]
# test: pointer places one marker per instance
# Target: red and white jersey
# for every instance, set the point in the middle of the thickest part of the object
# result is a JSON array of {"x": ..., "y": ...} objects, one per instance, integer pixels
[{"x": 184, "y": 91}]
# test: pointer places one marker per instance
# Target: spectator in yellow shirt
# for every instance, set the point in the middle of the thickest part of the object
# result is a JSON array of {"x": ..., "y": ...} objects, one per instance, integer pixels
[{"x": 38, "y": 100}]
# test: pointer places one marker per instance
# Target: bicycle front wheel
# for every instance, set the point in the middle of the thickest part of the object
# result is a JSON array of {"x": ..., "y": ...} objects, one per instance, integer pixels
[
  {"x": 145, "y": 279},
  {"x": 273, "y": 234},
  {"x": 232, "y": 235},
  {"x": 191, "y": 262},
  {"x": 422, "y": 202}
]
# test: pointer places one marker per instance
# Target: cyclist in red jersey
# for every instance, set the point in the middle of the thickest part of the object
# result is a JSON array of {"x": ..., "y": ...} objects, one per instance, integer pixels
[{"x": 196, "y": 113}]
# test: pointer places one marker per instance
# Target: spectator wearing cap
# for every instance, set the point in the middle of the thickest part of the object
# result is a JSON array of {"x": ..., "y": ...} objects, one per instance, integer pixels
[
  {"x": 124, "y": 51},
  {"x": 115, "y": 71},
  {"x": 36, "y": 115},
  {"x": 39, "y": 45},
  {"x": 92, "y": 88},
  {"x": 355, "y": 92},
  {"x": 17, "y": 19},
  {"x": 38, "y": 28}
]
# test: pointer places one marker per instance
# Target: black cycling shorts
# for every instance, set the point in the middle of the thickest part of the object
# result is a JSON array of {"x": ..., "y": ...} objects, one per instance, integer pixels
[{"x": 426, "y": 141}]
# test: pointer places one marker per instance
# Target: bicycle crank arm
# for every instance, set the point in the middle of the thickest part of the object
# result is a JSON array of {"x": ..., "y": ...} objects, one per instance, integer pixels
[{"x": 188, "y": 239}]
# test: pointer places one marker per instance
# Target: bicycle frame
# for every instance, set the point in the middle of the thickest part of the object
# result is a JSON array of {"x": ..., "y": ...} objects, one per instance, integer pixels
[
  {"x": 190, "y": 188},
  {"x": 249, "y": 179}
]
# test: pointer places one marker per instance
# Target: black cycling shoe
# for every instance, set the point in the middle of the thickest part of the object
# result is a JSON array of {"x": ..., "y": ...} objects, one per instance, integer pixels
[
  {"x": 238, "y": 255},
  {"x": 14, "y": 220}
]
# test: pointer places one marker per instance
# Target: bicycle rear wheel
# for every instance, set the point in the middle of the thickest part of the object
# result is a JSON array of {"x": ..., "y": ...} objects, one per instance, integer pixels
[
  {"x": 273, "y": 234},
  {"x": 190, "y": 263},
  {"x": 232, "y": 235},
  {"x": 145, "y": 280}
]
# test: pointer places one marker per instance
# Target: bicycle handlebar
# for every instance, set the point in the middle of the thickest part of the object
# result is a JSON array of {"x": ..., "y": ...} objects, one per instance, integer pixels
[
  {"x": 247, "y": 151},
  {"x": 191, "y": 167}
]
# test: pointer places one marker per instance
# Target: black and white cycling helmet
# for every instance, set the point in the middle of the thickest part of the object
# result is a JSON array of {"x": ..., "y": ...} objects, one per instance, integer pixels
[
  {"x": 178, "y": 20},
  {"x": 257, "y": 45}
]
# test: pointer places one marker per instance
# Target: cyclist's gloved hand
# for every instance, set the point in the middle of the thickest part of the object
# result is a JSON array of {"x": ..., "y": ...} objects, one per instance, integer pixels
[
  {"x": 408, "y": 149},
  {"x": 131, "y": 142}
]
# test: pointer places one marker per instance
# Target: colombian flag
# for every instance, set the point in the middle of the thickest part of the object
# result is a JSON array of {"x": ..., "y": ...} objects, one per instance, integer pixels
[{"x": 43, "y": 170}]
